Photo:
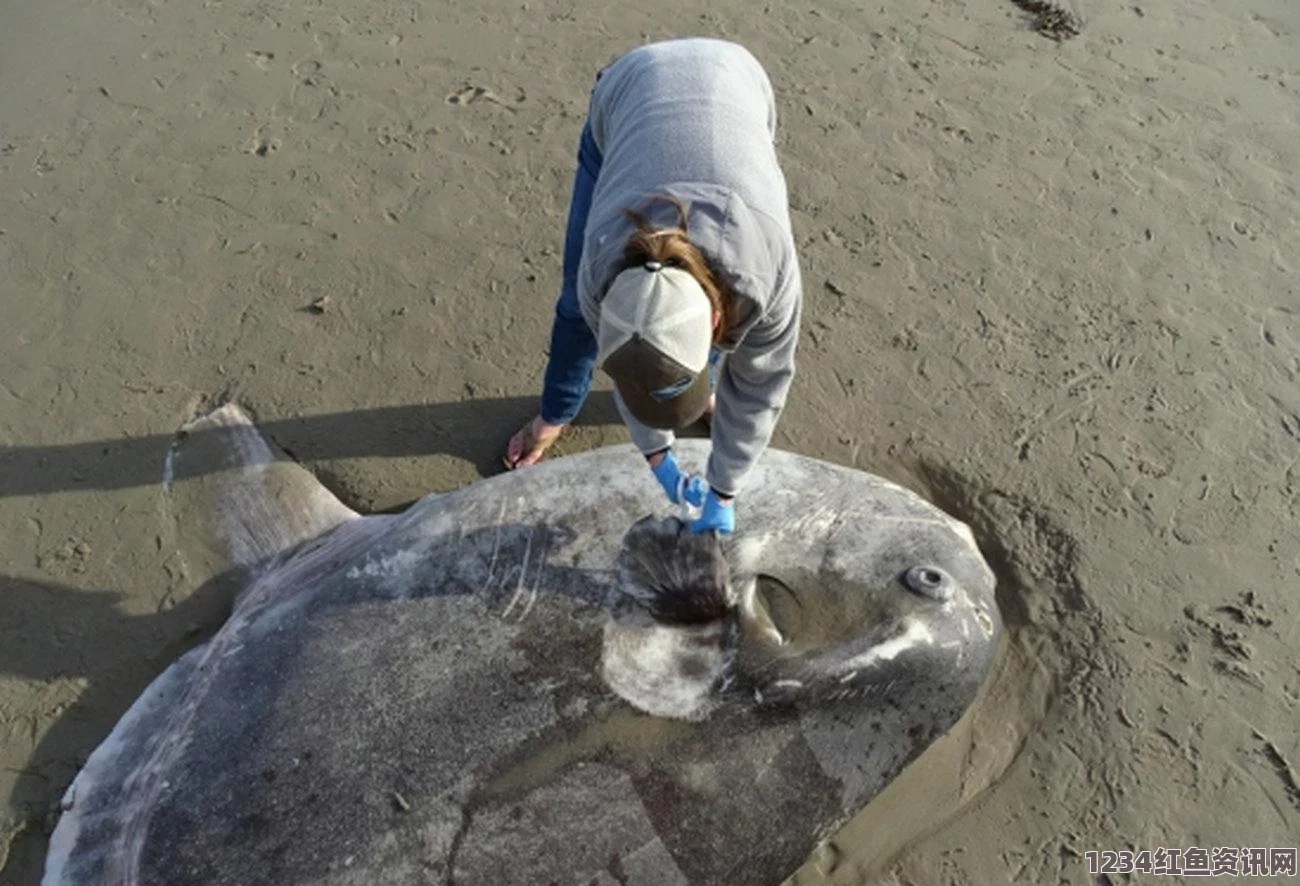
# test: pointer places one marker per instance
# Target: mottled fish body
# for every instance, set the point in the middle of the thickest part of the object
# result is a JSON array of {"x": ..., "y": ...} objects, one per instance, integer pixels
[{"x": 504, "y": 685}]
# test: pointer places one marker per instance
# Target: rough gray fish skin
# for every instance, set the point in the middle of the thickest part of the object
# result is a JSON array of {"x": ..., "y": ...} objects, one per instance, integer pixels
[{"x": 458, "y": 694}]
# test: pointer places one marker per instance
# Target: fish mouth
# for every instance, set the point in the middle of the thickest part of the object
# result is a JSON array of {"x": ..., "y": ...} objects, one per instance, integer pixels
[{"x": 865, "y": 665}]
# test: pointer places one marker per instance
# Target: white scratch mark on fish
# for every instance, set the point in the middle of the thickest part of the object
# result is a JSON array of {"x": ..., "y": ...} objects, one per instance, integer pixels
[
  {"x": 399, "y": 563},
  {"x": 496, "y": 547},
  {"x": 537, "y": 582},
  {"x": 523, "y": 572},
  {"x": 915, "y": 634}
]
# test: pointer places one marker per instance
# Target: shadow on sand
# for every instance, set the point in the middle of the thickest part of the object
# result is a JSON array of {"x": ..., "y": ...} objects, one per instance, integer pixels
[
  {"x": 48, "y": 626},
  {"x": 475, "y": 431}
]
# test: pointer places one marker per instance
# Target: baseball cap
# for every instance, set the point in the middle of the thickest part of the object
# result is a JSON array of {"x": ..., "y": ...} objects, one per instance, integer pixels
[{"x": 656, "y": 329}]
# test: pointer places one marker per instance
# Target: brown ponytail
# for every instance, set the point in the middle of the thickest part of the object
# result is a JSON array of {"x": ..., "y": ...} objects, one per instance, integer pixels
[{"x": 672, "y": 247}]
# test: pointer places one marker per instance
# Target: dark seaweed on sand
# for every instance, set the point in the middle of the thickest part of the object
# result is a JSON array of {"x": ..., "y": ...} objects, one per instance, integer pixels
[{"x": 1050, "y": 20}]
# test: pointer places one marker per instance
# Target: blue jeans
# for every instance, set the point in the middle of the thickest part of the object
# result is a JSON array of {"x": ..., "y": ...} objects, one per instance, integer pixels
[{"x": 573, "y": 344}]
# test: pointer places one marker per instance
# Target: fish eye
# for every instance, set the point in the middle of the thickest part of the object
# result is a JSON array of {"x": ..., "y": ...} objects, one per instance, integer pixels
[{"x": 928, "y": 581}]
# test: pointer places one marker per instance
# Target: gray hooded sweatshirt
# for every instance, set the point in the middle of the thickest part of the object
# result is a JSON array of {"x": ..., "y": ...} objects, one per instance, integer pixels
[{"x": 695, "y": 119}]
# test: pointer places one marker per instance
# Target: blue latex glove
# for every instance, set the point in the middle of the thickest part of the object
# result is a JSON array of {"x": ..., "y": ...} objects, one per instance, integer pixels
[
  {"x": 716, "y": 517},
  {"x": 677, "y": 485}
]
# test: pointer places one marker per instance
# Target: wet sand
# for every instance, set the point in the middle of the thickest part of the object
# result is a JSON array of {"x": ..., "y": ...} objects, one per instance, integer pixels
[{"x": 1052, "y": 286}]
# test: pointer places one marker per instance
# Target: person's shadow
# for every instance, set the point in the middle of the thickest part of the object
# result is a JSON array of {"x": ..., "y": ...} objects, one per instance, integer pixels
[
  {"x": 82, "y": 641},
  {"x": 473, "y": 430}
]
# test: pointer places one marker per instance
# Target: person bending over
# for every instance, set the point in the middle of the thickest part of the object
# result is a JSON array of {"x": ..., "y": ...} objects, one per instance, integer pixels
[{"x": 681, "y": 278}]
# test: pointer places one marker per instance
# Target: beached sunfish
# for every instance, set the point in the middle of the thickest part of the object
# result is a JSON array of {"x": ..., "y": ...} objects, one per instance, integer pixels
[{"x": 506, "y": 686}]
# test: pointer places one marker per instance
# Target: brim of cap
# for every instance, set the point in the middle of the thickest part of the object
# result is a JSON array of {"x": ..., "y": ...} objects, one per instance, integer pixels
[{"x": 667, "y": 415}]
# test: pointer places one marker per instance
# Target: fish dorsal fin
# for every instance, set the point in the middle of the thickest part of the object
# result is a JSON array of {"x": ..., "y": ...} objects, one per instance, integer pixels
[{"x": 237, "y": 498}]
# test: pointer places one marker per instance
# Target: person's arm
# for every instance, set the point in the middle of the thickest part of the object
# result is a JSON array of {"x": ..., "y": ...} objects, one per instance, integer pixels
[
  {"x": 753, "y": 385},
  {"x": 648, "y": 440}
]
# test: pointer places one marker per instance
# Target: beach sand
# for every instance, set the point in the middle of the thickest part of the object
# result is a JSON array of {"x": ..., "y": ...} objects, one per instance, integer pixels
[{"x": 1047, "y": 284}]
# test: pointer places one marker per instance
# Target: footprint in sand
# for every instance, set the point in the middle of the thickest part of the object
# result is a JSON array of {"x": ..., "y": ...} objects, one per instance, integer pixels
[
  {"x": 261, "y": 145},
  {"x": 261, "y": 59},
  {"x": 466, "y": 95},
  {"x": 307, "y": 71},
  {"x": 469, "y": 94}
]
